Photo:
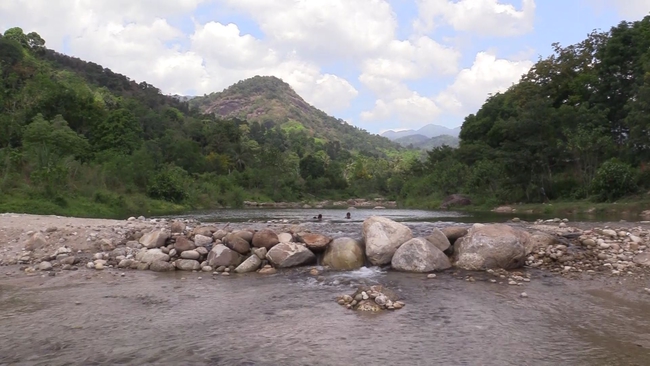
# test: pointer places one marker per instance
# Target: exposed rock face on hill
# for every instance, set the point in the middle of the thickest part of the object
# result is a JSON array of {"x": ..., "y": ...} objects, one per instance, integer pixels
[{"x": 272, "y": 102}]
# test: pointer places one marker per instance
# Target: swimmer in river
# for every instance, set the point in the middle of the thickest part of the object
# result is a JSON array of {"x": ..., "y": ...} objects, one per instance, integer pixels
[
  {"x": 347, "y": 216},
  {"x": 319, "y": 217}
]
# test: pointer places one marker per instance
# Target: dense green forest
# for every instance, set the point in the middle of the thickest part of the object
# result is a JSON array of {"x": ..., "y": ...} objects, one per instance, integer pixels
[
  {"x": 79, "y": 139},
  {"x": 577, "y": 125}
]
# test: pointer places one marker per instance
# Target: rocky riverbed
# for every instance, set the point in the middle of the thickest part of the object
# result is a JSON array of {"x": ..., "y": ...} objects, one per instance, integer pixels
[
  {"x": 49, "y": 244},
  {"x": 75, "y": 274}
]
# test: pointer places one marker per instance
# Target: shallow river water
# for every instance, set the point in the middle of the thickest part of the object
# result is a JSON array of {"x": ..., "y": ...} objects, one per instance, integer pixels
[
  {"x": 290, "y": 319},
  {"x": 100, "y": 318}
]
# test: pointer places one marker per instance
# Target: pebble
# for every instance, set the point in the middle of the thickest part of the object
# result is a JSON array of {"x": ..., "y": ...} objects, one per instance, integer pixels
[
  {"x": 432, "y": 275},
  {"x": 524, "y": 295}
]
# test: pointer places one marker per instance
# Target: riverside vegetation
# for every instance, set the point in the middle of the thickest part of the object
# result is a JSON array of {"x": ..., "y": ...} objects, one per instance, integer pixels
[{"x": 79, "y": 139}]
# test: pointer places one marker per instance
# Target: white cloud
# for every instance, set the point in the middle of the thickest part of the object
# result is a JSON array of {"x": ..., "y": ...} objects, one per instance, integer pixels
[
  {"x": 139, "y": 39},
  {"x": 134, "y": 38},
  {"x": 487, "y": 75},
  {"x": 412, "y": 110},
  {"x": 337, "y": 29},
  {"x": 483, "y": 17}
]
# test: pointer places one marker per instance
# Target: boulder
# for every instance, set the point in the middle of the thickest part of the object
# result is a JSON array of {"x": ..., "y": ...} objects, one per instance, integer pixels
[
  {"x": 420, "y": 255},
  {"x": 187, "y": 265},
  {"x": 237, "y": 243},
  {"x": 219, "y": 234},
  {"x": 315, "y": 242},
  {"x": 454, "y": 233},
  {"x": 36, "y": 241},
  {"x": 492, "y": 246},
  {"x": 106, "y": 245},
  {"x": 203, "y": 230},
  {"x": 382, "y": 237},
  {"x": 159, "y": 266},
  {"x": 128, "y": 263},
  {"x": 69, "y": 260},
  {"x": 344, "y": 254},
  {"x": 285, "y": 237},
  {"x": 154, "y": 239},
  {"x": 265, "y": 239},
  {"x": 202, "y": 240},
  {"x": 177, "y": 226},
  {"x": 286, "y": 255},
  {"x": 642, "y": 259},
  {"x": 151, "y": 255},
  {"x": 267, "y": 270},
  {"x": 45, "y": 266},
  {"x": 260, "y": 252},
  {"x": 244, "y": 234},
  {"x": 540, "y": 240},
  {"x": 221, "y": 255},
  {"x": 190, "y": 254},
  {"x": 439, "y": 239},
  {"x": 251, "y": 264},
  {"x": 183, "y": 244}
]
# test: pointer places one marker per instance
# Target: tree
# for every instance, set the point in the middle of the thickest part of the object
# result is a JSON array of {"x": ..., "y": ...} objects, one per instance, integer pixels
[{"x": 119, "y": 132}]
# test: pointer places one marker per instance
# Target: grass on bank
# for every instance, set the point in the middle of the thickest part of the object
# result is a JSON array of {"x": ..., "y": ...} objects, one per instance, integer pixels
[
  {"x": 628, "y": 206},
  {"x": 101, "y": 205}
]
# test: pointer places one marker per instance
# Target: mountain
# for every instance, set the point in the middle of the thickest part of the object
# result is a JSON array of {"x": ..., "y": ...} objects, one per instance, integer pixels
[
  {"x": 419, "y": 141},
  {"x": 429, "y": 130},
  {"x": 79, "y": 139},
  {"x": 270, "y": 101}
]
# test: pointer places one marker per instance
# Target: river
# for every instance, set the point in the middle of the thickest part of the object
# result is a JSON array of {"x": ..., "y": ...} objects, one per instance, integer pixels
[{"x": 143, "y": 318}]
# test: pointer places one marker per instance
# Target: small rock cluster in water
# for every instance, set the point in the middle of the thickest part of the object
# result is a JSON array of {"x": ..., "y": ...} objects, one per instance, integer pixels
[{"x": 374, "y": 299}]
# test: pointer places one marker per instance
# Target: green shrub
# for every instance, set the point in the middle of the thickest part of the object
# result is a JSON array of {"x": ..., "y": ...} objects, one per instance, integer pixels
[
  {"x": 614, "y": 179},
  {"x": 169, "y": 185}
]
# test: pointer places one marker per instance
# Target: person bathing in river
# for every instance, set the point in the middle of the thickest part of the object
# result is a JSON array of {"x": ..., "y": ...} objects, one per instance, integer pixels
[
  {"x": 347, "y": 216},
  {"x": 319, "y": 217}
]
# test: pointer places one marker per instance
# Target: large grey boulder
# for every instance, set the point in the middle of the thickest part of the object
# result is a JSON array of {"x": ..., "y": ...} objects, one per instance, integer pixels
[
  {"x": 382, "y": 237},
  {"x": 251, "y": 264},
  {"x": 237, "y": 243},
  {"x": 265, "y": 239},
  {"x": 439, "y": 239},
  {"x": 183, "y": 244},
  {"x": 419, "y": 255},
  {"x": 492, "y": 246},
  {"x": 344, "y": 254},
  {"x": 454, "y": 233},
  {"x": 154, "y": 239},
  {"x": 187, "y": 265},
  {"x": 151, "y": 255},
  {"x": 221, "y": 255},
  {"x": 286, "y": 255},
  {"x": 161, "y": 266},
  {"x": 314, "y": 242}
]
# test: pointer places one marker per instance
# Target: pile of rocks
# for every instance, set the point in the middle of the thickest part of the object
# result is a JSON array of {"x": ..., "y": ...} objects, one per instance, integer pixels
[
  {"x": 616, "y": 251},
  {"x": 373, "y": 299},
  {"x": 189, "y": 246}
]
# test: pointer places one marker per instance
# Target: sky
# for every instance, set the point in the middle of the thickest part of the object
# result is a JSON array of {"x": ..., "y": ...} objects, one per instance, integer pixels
[{"x": 378, "y": 64}]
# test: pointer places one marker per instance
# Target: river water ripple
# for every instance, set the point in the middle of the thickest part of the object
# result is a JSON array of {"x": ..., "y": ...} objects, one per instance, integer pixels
[{"x": 291, "y": 319}]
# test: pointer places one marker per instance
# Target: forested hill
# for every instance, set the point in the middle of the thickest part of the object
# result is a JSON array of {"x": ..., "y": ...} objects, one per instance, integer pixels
[
  {"x": 577, "y": 125},
  {"x": 77, "y": 138},
  {"x": 272, "y": 102}
]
